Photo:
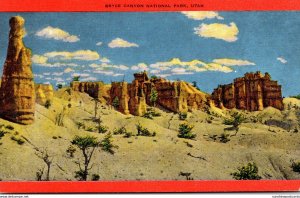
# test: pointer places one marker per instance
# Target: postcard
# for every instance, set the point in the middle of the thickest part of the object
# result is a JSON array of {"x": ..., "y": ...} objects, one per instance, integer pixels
[{"x": 149, "y": 97}]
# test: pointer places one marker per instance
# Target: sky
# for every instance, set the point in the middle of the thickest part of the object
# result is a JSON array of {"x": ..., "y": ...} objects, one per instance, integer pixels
[{"x": 209, "y": 47}]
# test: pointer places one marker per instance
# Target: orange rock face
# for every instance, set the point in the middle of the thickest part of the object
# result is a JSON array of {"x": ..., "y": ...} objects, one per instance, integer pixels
[
  {"x": 174, "y": 96},
  {"x": 17, "y": 92},
  {"x": 253, "y": 92},
  {"x": 94, "y": 89}
]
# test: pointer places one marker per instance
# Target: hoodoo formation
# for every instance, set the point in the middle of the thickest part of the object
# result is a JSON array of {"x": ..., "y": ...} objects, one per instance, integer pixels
[
  {"x": 17, "y": 92},
  {"x": 253, "y": 92},
  {"x": 134, "y": 97}
]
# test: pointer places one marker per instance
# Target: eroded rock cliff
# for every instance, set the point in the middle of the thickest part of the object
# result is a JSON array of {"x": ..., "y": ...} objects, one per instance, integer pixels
[{"x": 17, "y": 92}]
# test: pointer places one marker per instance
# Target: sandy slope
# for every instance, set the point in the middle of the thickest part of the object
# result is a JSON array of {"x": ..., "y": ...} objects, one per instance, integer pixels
[{"x": 153, "y": 158}]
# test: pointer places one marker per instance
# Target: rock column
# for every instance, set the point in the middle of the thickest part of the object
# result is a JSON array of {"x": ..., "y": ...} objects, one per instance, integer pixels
[{"x": 17, "y": 92}]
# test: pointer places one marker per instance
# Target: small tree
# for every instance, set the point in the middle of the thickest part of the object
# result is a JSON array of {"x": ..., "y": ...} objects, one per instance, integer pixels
[
  {"x": 116, "y": 102},
  {"x": 236, "y": 120},
  {"x": 185, "y": 131},
  {"x": 195, "y": 85},
  {"x": 76, "y": 78},
  {"x": 153, "y": 96},
  {"x": 154, "y": 77},
  {"x": 248, "y": 172},
  {"x": 47, "y": 104},
  {"x": 106, "y": 144},
  {"x": 47, "y": 159},
  {"x": 87, "y": 145},
  {"x": 59, "y": 86}
]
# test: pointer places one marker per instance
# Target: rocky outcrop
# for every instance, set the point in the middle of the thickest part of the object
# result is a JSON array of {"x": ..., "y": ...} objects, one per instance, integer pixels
[
  {"x": 17, "y": 92},
  {"x": 176, "y": 96},
  {"x": 253, "y": 92},
  {"x": 94, "y": 89},
  {"x": 43, "y": 93}
]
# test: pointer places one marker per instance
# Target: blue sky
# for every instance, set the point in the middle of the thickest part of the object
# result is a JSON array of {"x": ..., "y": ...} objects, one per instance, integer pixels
[{"x": 210, "y": 48}]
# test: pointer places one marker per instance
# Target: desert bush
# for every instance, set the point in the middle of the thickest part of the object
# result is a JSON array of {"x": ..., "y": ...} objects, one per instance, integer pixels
[
  {"x": 95, "y": 177},
  {"x": 2, "y": 133},
  {"x": 185, "y": 131},
  {"x": 107, "y": 145},
  {"x": 151, "y": 113},
  {"x": 182, "y": 116},
  {"x": 47, "y": 104},
  {"x": 9, "y": 127},
  {"x": 248, "y": 172},
  {"x": 296, "y": 166},
  {"x": 144, "y": 131},
  {"x": 18, "y": 140},
  {"x": 80, "y": 125},
  {"x": 119, "y": 131},
  {"x": 224, "y": 138},
  {"x": 90, "y": 129},
  {"x": 236, "y": 120},
  {"x": 102, "y": 128},
  {"x": 71, "y": 150},
  {"x": 127, "y": 135},
  {"x": 59, "y": 118},
  {"x": 116, "y": 103},
  {"x": 69, "y": 105},
  {"x": 54, "y": 137}
]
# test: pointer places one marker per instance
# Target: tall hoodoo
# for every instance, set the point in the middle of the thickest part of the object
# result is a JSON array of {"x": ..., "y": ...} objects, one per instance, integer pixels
[{"x": 17, "y": 92}]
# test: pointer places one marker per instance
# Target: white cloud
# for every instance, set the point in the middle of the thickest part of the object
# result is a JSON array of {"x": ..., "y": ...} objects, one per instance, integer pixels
[
  {"x": 155, "y": 71},
  {"x": 46, "y": 73},
  {"x": 84, "y": 55},
  {"x": 88, "y": 79},
  {"x": 81, "y": 74},
  {"x": 38, "y": 59},
  {"x": 38, "y": 75},
  {"x": 201, "y": 15},
  {"x": 68, "y": 70},
  {"x": 120, "y": 43},
  {"x": 58, "y": 65},
  {"x": 180, "y": 71},
  {"x": 282, "y": 60},
  {"x": 48, "y": 78},
  {"x": 219, "y": 31},
  {"x": 99, "y": 43},
  {"x": 104, "y": 60},
  {"x": 140, "y": 67},
  {"x": 232, "y": 62},
  {"x": 103, "y": 66},
  {"x": 217, "y": 67},
  {"x": 58, "y": 79},
  {"x": 115, "y": 75},
  {"x": 57, "y": 34},
  {"x": 108, "y": 73},
  {"x": 57, "y": 73}
]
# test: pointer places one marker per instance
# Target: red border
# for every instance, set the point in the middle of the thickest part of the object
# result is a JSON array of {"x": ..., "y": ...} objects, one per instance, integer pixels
[
  {"x": 99, "y": 5},
  {"x": 151, "y": 186},
  {"x": 147, "y": 186}
]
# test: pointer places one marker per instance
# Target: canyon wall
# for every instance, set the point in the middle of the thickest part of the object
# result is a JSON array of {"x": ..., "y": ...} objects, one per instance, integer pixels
[
  {"x": 43, "y": 92},
  {"x": 253, "y": 92}
]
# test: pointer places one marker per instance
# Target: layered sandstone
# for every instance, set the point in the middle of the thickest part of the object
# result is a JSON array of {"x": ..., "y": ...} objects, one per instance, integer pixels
[
  {"x": 43, "y": 93},
  {"x": 253, "y": 92},
  {"x": 17, "y": 92}
]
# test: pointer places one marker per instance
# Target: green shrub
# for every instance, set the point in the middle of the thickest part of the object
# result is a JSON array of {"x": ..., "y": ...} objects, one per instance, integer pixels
[
  {"x": 54, "y": 137},
  {"x": 102, "y": 128},
  {"x": 224, "y": 138},
  {"x": 95, "y": 177},
  {"x": 106, "y": 144},
  {"x": 18, "y": 140},
  {"x": 116, "y": 102},
  {"x": 80, "y": 125},
  {"x": 144, "y": 131},
  {"x": 151, "y": 113},
  {"x": 127, "y": 135},
  {"x": 48, "y": 104},
  {"x": 2, "y": 133},
  {"x": 9, "y": 127},
  {"x": 182, "y": 116},
  {"x": 69, "y": 105},
  {"x": 120, "y": 131},
  {"x": 296, "y": 166},
  {"x": 90, "y": 129},
  {"x": 185, "y": 131},
  {"x": 248, "y": 172},
  {"x": 71, "y": 150}
]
